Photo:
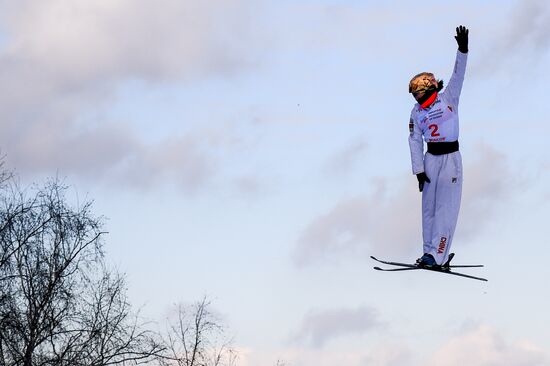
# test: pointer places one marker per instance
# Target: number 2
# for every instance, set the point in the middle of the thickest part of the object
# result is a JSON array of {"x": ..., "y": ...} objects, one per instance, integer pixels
[{"x": 435, "y": 128}]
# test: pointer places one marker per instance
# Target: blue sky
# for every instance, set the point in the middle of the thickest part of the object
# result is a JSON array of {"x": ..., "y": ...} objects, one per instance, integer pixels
[{"x": 256, "y": 152}]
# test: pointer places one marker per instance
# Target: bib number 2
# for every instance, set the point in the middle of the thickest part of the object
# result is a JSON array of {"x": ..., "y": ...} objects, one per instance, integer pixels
[{"x": 434, "y": 129}]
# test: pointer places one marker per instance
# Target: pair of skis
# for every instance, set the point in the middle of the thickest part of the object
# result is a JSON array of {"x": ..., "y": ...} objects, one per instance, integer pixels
[{"x": 409, "y": 267}]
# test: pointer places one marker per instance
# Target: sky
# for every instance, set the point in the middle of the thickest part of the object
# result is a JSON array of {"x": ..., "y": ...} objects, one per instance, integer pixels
[{"x": 256, "y": 152}]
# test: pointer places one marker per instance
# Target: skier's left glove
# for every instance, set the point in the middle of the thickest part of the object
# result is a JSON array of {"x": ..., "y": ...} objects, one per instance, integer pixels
[
  {"x": 462, "y": 38},
  {"x": 422, "y": 178}
]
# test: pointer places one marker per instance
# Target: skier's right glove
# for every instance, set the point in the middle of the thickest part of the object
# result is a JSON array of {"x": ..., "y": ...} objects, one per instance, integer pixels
[{"x": 422, "y": 178}]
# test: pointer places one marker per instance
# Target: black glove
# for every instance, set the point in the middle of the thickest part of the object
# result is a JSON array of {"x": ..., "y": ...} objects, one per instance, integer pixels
[
  {"x": 422, "y": 178},
  {"x": 462, "y": 38}
]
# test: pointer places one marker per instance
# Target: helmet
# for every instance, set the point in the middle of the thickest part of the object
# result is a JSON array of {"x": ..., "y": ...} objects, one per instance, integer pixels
[{"x": 423, "y": 82}]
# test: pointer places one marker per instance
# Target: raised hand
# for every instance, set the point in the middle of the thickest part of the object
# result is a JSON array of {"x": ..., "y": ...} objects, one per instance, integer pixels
[{"x": 462, "y": 38}]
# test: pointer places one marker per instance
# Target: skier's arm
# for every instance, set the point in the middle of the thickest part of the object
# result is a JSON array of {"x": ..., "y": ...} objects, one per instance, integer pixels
[
  {"x": 416, "y": 146},
  {"x": 457, "y": 79}
]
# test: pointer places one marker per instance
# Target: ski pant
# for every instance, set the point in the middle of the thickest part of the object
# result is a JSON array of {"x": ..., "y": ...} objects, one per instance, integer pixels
[{"x": 441, "y": 203}]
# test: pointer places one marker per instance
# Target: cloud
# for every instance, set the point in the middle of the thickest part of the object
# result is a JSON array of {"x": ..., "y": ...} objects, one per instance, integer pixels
[
  {"x": 384, "y": 354},
  {"x": 114, "y": 155},
  {"x": 61, "y": 63},
  {"x": 361, "y": 226},
  {"x": 344, "y": 161},
  {"x": 387, "y": 222},
  {"x": 181, "y": 161},
  {"x": 249, "y": 186},
  {"x": 479, "y": 346},
  {"x": 319, "y": 327},
  {"x": 489, "y": 181},
  {"x": 87, "y": 153},
  {"x": 387, "y": 354},
  {"x": 522, "y": 38},
  {"x": 485, "y": 346},
  {"x": 529, "y": 26},
  {"x": 80, "y": 42}
]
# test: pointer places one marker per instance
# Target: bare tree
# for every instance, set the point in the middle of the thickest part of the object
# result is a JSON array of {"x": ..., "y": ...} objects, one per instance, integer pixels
[
  {"x": 197, "y": 338},
  {"x": 59, "y": 305}
]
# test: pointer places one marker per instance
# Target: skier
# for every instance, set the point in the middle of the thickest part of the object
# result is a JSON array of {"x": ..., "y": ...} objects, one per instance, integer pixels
[{"x": 439, "y": 172}]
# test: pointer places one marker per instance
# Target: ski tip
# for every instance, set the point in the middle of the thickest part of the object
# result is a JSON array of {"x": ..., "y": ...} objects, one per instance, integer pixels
[
  {"x": 378, "y": 268},
  {"x": 373, "y": 257}
]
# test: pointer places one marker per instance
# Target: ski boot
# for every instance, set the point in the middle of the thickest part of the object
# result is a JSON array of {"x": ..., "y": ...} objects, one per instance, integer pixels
[{"x": 427, "y": 261}]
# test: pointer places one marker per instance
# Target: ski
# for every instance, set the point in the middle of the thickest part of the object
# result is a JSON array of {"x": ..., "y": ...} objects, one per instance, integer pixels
[
  {"x": 395, "y": 263},
  {"x": 395, "y": 269},
  {"x": 407, "y": 266},
  {"x": 414, "y": 265},
  {"x": 460, "y": 274},
  {"x": 466, "y": 265}
]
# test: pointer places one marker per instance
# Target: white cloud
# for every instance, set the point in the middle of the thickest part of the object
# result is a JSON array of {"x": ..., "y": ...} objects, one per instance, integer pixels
[
  {"x": 70, "y": 43},
  {"x": 181, "y": 161},
  {"x": 519, "y": 41},
  {"x": 489, "y": 181},
  {"x": 381, "y": 354},
  {"x": 388, "y": 221},
  {"x": 343, "y": 161},
  {"x": 361, "y": 226},
  {"x": 319, "y": 327},
  {"x": 61, "y": 61},
  {"x": 485, "y": 346},
  {"x": 249, "y": 186},
  {"x": 529, "y": 26},
  {"x": 479, "y": 346}
]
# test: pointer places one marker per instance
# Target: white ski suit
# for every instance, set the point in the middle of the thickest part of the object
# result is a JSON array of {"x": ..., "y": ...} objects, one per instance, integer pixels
[{"x": 438, "y": 126}]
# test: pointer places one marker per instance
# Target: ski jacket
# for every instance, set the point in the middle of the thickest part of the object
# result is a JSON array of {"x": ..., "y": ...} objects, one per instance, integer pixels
[{"x": 438, "y": 122}]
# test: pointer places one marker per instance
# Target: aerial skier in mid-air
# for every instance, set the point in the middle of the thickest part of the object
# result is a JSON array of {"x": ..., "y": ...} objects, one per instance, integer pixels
[{"x": 434, "y": 119}]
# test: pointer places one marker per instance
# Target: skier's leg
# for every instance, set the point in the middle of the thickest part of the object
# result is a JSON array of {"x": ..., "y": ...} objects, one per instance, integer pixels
[
  {"x": 447, "y": 207},
  {"x": 431, "y": 168}
]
